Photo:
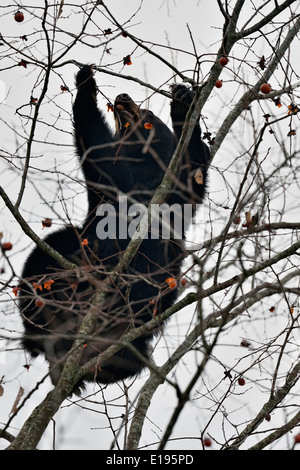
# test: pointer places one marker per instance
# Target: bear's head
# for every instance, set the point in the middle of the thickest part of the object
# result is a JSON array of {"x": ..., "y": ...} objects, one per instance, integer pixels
[{"x": 127, "y": 113}]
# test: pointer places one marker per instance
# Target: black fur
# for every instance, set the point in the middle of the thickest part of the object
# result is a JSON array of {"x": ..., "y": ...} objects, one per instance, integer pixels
[{"x": 131, "y": 162}]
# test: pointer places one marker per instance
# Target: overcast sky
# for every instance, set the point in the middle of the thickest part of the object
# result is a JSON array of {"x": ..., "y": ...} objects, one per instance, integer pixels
[{"x": 184, "y": 25}]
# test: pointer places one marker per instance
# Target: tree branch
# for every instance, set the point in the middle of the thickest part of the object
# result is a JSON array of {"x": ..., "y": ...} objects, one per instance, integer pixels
[
  {"x": 252, "y": 94},
  {"x": 218, "y": 320},
  {"x": 265, "y": 20},
  {"x": 31, "y": 234},
  {"x": 277, "y": 398}
]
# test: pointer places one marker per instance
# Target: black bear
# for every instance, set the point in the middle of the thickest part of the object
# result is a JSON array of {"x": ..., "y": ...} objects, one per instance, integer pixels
[{"x": 128, "y": 164}]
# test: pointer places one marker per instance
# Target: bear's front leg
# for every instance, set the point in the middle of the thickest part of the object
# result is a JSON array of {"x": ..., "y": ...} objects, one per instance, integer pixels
[{"x": 193, "y": 171}]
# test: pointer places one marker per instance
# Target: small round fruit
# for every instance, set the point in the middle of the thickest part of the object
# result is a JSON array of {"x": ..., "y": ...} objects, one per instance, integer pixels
[
  {"x": 7, "y": 246},
  {"x": 297, "y": 438},
  {"x": 183, "y": 282},
  {"x": 219, "y": 84},
  {"x": 47, "y": 222},
  {"x": 39, "y": 303},
  {"x": 241, "y": 381},
  {"x": 207, "y": 442},
  {"x": 19, "y": 17},
  {"x": 223, "y": 61},
  {"x": 237, "y": 220},
  {"x": 265, "y": 88}
]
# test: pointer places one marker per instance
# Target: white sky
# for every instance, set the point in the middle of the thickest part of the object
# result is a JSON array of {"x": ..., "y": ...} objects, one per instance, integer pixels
[{"x": 161, "y": 22}]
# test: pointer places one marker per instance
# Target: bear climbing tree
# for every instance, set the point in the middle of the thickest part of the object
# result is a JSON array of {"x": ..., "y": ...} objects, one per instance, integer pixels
[
  {"x": 131, "y": 163},
  {"x": 225, "y": 371}
]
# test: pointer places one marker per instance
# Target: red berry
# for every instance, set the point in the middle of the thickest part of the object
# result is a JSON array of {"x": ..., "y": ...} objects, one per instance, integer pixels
[
  {"x": 241, "y": 381},
  {"x": 19, "y": 17},
  {"x": 237, "y": 220},
  {"x": 219, "y": 84},
  {"x": 207, "y": 442},
  {"x": 7, "y": 246},
  {"x": 15, "y": 290},
  {"x": 47, "y": 222},
  {"x": 39, "y": 303},
  {"x": 265, "y": 88},
  {"x": 297, "y": 438},
  {"x": 183, "y": 282},
  {"x": 223, "y": 61}
]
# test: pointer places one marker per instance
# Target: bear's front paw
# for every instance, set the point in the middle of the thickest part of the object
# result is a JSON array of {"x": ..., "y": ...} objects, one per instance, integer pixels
[
  {"x": 182, "y": 98},
  {"x": 85, "y": 79}
]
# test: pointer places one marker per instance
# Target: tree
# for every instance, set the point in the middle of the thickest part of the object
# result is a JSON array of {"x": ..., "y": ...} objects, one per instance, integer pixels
[{"x": 230, "y": 367}]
